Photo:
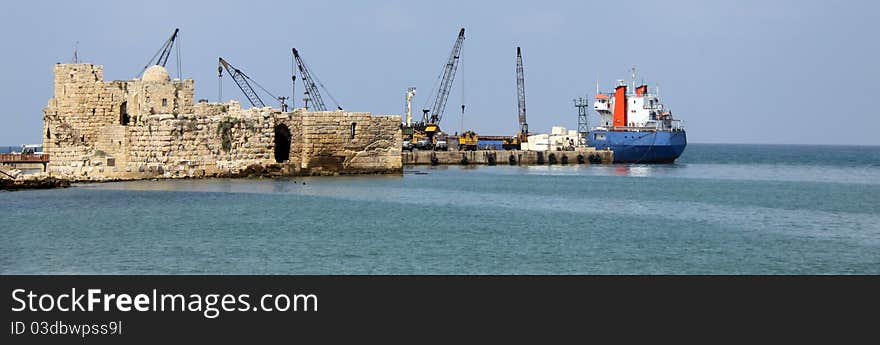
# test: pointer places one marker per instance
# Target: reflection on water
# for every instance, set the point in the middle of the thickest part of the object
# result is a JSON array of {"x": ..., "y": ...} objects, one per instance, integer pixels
[
  {"x": 695, "y": 216},
  {"x": 756, "y": 172},
  {"x": 633, "y": 170}
]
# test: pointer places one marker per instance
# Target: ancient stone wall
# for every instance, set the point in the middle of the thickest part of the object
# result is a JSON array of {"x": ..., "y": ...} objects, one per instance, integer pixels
[
  {"x": 150, "y": 127},
  {"x": 352, "y": 142}
]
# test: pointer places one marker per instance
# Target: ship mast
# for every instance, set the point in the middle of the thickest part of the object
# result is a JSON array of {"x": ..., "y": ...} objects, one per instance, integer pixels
[{"x": 633, "y": 77}]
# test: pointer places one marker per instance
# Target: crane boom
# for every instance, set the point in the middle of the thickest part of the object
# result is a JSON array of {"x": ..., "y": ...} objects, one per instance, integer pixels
[
  {"x": 166, "y": 49},
  {"x": 446, "y": 80},
  {"x": 164, "y": 52},
  {"x": 241, "y": 80},
  {"x": 521, "y": 93},
  {"x": 311, "y": 87}
]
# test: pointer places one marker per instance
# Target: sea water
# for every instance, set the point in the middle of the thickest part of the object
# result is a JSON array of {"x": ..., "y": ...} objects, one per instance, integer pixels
[{"x": 720, "y": 209}]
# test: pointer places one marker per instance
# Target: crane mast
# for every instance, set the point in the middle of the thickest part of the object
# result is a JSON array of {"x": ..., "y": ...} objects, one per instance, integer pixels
[
  {"x": 410, "y": 92},
  {"x": 311, "y": 87},
  {"x": 446, "y": 81},
  {"x": 521, "y": 94}
]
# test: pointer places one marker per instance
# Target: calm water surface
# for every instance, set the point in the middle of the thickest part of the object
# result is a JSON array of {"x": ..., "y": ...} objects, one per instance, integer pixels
[{"x": 720, "y": 209}]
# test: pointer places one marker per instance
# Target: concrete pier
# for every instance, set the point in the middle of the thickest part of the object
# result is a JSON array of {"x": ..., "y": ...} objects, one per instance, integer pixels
[{"x": 512, "y": 157}]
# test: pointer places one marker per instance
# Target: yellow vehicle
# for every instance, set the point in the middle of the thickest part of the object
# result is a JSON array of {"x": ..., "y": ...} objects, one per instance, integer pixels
[
  {"x": 467, "y": 141},
  {"x": 431, "y": 129},
  {"x": 514, "y": 143},
  {"x": 421, "y": 141}
]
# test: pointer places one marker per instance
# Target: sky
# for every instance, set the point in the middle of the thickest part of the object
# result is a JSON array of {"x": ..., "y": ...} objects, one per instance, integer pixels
[{"x": 748, "y": 71}]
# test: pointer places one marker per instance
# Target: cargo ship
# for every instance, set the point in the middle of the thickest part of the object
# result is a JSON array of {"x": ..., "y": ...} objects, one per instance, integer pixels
[{"x": 636, "y": 126}]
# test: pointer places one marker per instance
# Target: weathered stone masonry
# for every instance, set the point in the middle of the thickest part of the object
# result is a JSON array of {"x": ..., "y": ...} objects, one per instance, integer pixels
[{"x": 152, "y": 128}]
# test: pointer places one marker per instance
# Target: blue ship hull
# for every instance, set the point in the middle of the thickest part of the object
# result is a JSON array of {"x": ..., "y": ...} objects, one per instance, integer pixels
[{"x": 640, "y": 147}]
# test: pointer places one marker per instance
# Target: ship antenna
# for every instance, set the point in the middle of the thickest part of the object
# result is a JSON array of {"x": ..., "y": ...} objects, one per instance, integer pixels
[{"x": 634, "y": 77}]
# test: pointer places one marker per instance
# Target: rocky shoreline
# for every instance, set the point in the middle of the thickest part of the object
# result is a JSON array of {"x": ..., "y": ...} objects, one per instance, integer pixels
[
  {"x": 39, "y": 182},
  {"x": 11, "y": 180}
]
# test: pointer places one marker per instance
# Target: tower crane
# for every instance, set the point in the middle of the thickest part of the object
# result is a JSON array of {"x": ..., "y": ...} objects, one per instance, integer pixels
[
  {"x": 432, "y": 122},
  {"x": 312, "y": 93},
  {"x": 163, "y": 54},
  {"x": 244, "y": 83}
]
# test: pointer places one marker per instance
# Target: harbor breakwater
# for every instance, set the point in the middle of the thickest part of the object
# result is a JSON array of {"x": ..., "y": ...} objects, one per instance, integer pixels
[{"x": 505, "y": 157}]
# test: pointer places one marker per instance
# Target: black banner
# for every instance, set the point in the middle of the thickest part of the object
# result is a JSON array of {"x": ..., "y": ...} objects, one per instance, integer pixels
[{"x": 114, "y": 309}]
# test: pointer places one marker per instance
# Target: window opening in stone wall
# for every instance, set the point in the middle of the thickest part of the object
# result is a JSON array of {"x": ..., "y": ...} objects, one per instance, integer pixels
[
  {"x": 282, "y": 143},
  {"x": 48, "y": 133},
  {"x": 164, "y": 102},
  {"x": 353, "y": 128}
]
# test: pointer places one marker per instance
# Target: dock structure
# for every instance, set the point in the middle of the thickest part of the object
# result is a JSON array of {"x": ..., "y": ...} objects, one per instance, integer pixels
[
  {"x": 13, "y": 175},
  {"x": 27, "y": 161},
  {"x": 11, "y": 158},
  {"x": 508, "y": 157}
]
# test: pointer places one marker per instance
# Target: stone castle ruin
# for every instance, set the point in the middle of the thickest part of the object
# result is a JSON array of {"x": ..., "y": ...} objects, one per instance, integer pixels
[{"x": 152, "y": 128}]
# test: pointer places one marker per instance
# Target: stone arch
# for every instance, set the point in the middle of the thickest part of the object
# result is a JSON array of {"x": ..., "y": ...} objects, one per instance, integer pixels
[{"x": 282, "y": 143}]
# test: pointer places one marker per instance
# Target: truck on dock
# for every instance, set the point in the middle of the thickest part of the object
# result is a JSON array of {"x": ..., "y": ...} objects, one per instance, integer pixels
[{"x": 468, "y": 141}]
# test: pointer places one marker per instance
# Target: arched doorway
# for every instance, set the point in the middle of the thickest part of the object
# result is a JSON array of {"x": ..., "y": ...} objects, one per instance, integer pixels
[{"x": 282, "y": 143}]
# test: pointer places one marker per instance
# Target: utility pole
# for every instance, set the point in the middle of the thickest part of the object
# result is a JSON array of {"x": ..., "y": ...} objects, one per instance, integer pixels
[{"x": 582, "y": 105}]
